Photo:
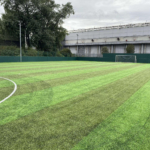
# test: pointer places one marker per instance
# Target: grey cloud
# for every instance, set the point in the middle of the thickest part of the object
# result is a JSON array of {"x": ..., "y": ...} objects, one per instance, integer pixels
[{"x": 96, "y": 13}]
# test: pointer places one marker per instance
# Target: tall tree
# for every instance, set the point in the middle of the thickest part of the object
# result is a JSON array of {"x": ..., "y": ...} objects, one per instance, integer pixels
[{"x": 41, "y": 21}]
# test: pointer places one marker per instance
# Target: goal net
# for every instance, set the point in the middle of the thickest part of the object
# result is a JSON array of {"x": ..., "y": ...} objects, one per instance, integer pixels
[{"x": 126, "y": 58}]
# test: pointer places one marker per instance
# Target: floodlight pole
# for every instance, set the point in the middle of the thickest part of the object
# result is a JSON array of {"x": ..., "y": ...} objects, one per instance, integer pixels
[{"x": 20, "y": 42}]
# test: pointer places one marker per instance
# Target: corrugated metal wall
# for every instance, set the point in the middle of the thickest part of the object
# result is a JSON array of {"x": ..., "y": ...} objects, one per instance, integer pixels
[
  {"x": 148, "y": 49},
  {"x": 94, "y": 49},
  {"x": 119, "y": 48},
  {"x": 111, "y": 48},
  {"x": 124, "y": 32},
  {"x": 137, "y": 49},
  {"x": 90, "y": 41},
  {"x": 73, "y": 49}
]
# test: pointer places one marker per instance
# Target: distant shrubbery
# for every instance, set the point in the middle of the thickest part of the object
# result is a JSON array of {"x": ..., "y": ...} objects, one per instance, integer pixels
[
  {"x": 58, "y": 54},
  {"x": 130, "y": 49},
  {"x": 105, "y": 50},
  {"x": 15, "y": 51},
  {"x": 10, "y": 51},
  {"x": 66, "y": 52},
  {"x": 31, "y": 52}
]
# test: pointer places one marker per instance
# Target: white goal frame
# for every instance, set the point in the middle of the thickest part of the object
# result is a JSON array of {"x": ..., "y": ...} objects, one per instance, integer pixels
[{"x": 127, "y": 55}]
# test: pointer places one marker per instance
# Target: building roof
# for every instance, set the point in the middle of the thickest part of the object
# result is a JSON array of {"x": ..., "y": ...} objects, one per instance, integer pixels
[{"x": 111, "y": 27}]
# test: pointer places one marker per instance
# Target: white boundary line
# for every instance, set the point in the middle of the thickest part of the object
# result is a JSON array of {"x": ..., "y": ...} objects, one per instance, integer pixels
[{"x": 12, "y": 92}]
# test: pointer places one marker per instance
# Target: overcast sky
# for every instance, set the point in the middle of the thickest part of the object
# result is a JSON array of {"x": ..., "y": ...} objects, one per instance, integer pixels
[{"x": 98, "y": 13}]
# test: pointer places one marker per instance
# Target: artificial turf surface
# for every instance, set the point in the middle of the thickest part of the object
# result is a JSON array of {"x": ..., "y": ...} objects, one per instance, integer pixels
[{"x": 75, "y": 105}]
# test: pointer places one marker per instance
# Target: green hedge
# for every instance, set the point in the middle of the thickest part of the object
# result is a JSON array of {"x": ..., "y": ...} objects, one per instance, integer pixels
[
  {"x": 10, "y": 51},
  {"x": 15, "y": 51}
]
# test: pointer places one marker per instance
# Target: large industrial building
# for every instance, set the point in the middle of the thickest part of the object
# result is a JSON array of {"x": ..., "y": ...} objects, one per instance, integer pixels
[{"x": 89, "y": 42}]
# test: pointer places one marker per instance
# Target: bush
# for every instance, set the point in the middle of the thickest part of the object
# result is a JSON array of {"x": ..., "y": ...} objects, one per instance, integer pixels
[
  {"x": 66, "y": 52},
  {"x": 58, "y": 54},
  {"x": 40, "y": 53},
  {"x": 49, "y": 54},
  {"x": 31, "y": 52},
  {"x": 105, "y": 50},
  {"x": 15, "y": 51},
  {"x": 10, "y": 51},
  {"x": 130, "y": 49}
]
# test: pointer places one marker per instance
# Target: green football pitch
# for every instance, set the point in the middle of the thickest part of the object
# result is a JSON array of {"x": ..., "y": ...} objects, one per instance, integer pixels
[{"x": 75, "y": 105}]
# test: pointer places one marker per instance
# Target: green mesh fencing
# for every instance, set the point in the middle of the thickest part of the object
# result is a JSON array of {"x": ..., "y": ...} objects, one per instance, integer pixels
[{"x": 140, "y": 58}]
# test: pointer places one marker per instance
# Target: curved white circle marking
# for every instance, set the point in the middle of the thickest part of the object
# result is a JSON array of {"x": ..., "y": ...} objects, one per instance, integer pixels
[{"x": 12, "y": 92}]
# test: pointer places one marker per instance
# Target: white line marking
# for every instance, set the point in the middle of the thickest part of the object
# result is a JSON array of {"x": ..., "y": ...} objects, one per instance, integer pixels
[{"x": 12, "y": 92}]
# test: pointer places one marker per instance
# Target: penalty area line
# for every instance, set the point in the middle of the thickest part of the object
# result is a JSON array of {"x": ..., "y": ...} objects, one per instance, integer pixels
[{"x": 12, "y": 92}]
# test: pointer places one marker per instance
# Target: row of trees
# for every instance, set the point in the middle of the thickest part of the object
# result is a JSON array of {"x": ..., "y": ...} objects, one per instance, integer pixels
[
  {"x": 129, "y": 49},
  {"x": 41, "y": 22}
]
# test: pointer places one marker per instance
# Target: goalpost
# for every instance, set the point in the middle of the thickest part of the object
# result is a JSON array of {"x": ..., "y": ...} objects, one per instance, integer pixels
[{"x": 126, "y": 58}]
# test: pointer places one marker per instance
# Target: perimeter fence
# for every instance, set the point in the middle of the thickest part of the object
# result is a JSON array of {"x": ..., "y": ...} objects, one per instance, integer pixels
[{"x": 141, "y": 58}]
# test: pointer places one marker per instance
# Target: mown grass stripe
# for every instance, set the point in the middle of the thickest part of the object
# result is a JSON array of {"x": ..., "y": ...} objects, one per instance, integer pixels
[
  {"x": 127, "y": 128},
  {"x": 41, "y": 70},
  {"x": 43, "y": 67},
  {"x": 22, "y": 64},
  {"x": 50, "y": 63},
  {"x": 32, "y": 80},
  {"x": 40, "y": 85},
  {"x": 57, "y": 71},
  {"x": 30, "y": 103},
  {"x": 65, "y": 124},
  {"x": 46, "y": 65}
]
